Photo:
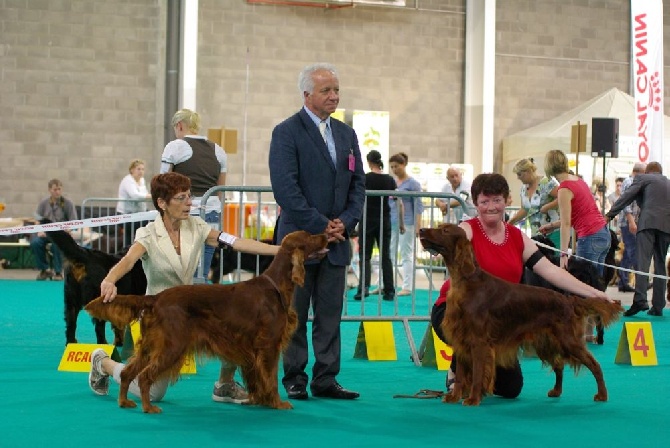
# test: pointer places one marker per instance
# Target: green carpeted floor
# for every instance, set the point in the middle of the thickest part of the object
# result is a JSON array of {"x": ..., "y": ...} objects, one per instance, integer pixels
[{"x": 44, "y": 407}]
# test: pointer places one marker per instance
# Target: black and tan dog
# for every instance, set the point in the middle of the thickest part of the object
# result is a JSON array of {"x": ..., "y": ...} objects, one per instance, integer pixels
[
  {"x": 84, "y": 270},
  {"x": 226, "y": 259}
]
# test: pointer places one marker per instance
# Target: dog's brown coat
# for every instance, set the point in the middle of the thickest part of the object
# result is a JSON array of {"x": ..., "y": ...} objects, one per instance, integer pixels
[
  {"x": 248, "y": 323},
  {"x": 487, "y": 319}
]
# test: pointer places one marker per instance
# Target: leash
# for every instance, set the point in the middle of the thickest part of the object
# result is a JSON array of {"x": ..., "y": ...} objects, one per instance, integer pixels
[
  {"x": 633, "y": 271},
  {"x": 422, "y": 394}
]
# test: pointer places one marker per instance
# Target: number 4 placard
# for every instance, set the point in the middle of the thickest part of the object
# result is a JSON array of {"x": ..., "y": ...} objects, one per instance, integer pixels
[{"x": 636, "y": 345}]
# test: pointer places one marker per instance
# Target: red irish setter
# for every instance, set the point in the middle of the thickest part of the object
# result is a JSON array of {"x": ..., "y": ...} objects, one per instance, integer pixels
[
  {"x": 487, "y": 319},
  {"x": 248, "y": 323}
]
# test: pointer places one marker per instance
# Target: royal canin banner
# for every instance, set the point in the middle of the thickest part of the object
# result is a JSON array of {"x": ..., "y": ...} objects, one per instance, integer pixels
[{"x": 647, "y": 70}]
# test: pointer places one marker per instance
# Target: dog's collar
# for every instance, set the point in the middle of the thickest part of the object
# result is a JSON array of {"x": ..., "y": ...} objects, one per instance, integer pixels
[{"x": 274, "y": 284}]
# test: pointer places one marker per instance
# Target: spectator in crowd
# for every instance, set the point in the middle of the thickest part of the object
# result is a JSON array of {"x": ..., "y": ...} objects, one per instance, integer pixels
[
  {"x": 456, "y": 185},
  {"x": 651, "y": 190},
  {"x": 317, "y": 179},
  {"x": 627, "y": 222},
  {"x": 55, "y": 208},
  {"x": 539, "y": 200},
  {"x": 377, "y": 222},
  {"x": 132, "y": 190},
  {"x": 170, "y": 248},
  {"x": 577, "y": 209},
  {"x": 204, "y": 163},
  {"x": 614, "y": 196},
  {"x": 405, "y": 230}
]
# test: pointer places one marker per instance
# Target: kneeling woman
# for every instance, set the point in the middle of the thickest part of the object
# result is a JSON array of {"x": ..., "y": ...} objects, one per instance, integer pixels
[{"x": 502, "y": 250}]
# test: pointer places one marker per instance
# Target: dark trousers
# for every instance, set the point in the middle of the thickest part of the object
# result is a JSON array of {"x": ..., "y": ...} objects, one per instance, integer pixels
[
  {"x": 365, "y": 245},
  {"x": 509, "y": 381},
  {"x": 651, "y": 242},
  {"x": 324, "y": 290},
  {"x": 629, "y": 256}
]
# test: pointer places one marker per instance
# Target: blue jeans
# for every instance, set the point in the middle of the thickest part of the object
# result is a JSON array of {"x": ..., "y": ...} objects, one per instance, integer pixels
[
  {"x": 39, "y": 247},
  {"x": 214, "y": 220},
  {"x": 594, "y": 247},
  {"x": 629, "y": 257}
]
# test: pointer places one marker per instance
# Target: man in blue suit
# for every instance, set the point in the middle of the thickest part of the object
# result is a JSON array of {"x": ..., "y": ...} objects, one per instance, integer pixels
[{"x": 317, "y": 179}]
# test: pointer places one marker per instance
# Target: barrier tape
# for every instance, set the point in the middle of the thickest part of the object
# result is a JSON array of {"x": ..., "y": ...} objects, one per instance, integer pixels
[
  {"x": 664, "y": 277},
  {"x": 81, "y": 223}
]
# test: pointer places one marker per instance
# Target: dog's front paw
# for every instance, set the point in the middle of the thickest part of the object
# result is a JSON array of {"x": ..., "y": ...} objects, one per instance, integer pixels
[
  {"x": 451, "y": 398},
  {"x": 284, "y": 405},
  {"x": 470, "y": 401},
  {"x": 151, "y": 409},
  {"x": 126, "y": 403},
  {"x": 600, "y": 396},
  {"x": 553, "y": 393}
]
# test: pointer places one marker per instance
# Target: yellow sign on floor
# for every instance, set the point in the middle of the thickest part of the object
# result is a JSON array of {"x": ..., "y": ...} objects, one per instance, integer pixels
[
  {"x": 77, "y": 357},
  {"x": 375, "y": 342},
  {"x": 636, "y": 345},
  {"x": 436, "y": 353},
  {"x": 188, "y": 368}
]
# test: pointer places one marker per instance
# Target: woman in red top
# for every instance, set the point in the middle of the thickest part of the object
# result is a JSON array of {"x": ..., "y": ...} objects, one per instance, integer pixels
[
  {"x": 577, "y": 209},
  {"x": 503, "y": 250}
]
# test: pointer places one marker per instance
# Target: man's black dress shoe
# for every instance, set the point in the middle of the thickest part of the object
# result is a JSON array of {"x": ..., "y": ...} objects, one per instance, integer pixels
[
  {"x": 634, "y": 309},
  {"x": 655, "y": 312},
  {"x": 626, "y": 289},
  {"x": 336, "y": 391},
  {"x": 358, "y": 295},
  {"x": 297, "y": 392},
  {"x": 389, "y": 296}
]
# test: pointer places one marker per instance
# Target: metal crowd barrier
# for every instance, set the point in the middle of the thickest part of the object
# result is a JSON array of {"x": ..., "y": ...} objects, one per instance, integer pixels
[
  {"x": 258, "y": 206},
  {"x": 107, "y": 238}
]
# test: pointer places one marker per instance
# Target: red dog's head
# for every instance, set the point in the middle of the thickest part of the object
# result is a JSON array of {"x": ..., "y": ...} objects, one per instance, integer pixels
[
  {"x": 302, "y": 245},
  {"x": 450, "y": 241}
]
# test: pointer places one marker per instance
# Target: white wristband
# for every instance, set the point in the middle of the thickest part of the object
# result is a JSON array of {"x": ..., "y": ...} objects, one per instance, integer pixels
[{"x": 227, "y": 239}]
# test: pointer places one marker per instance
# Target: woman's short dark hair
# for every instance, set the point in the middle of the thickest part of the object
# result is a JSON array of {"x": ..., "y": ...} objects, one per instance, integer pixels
[
  {"x": 165, "y": 186},
  {"x": 490, "y": 184}
]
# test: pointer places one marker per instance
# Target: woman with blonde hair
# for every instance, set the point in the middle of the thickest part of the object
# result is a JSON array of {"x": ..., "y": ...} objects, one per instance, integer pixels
[
  {"x": 577, "y": 209},
  {"x": 132, "y": 190},
  {"x": 538, "y": 199},
  {"x": 203, "y": 162}
]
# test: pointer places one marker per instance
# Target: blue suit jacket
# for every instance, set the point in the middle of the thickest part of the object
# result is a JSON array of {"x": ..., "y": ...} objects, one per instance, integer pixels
[{"x": 307, "y": 186}]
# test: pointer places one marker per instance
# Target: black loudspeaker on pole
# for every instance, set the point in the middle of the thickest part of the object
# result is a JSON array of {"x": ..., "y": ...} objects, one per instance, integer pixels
[
  {"x": 605, "y": 137},
  {"x": 604, "y": 143}
]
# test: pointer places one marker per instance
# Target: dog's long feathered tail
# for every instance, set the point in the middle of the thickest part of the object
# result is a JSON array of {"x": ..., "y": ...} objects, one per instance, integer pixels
[
  {"x": 122, "y": 310},
  {"x": 609, "y": 312}
]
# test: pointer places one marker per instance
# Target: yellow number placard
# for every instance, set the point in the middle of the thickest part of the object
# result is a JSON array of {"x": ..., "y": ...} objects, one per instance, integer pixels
[{"x": 636, "y": 345}]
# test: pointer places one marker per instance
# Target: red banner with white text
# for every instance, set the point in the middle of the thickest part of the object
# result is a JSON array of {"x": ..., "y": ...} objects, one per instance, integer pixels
[{"x": 647, "y": 69}]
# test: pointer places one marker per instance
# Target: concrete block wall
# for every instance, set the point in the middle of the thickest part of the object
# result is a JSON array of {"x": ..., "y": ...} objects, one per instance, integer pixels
[
  {"x": 405, "y": 61},
  {"x": 80, "y": 94},
  {"x": 81, "y": 81}
]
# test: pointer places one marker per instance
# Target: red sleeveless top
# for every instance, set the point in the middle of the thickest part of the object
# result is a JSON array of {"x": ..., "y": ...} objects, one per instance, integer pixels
[{"x": 502, "y": 260}]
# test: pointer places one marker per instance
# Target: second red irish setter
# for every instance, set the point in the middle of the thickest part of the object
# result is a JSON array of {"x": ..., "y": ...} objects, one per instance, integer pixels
[
  {"x": 248, "y": 323},
  {"x": 487, "y": 319}
]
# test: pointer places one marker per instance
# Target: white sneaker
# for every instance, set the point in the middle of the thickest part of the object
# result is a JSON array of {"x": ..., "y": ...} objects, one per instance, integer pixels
[
  {"x": 98, "y": 381},
  {"x": 229, "y": 393},
  {"x": 451, "y": 379}
]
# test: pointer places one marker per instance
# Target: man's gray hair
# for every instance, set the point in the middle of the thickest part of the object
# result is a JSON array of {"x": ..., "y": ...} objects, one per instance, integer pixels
[{"x": 305, "y": 81}]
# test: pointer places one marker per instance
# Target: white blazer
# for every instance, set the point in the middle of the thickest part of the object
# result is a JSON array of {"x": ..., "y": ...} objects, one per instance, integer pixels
[{"x": 163, "y": 267}]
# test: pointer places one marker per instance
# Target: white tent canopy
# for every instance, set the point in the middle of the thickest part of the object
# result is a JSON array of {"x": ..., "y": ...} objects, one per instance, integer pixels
[{"x": 535, "y": 142}]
